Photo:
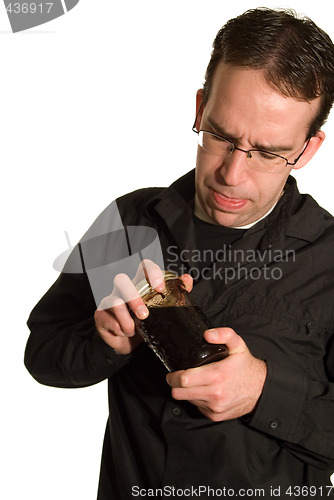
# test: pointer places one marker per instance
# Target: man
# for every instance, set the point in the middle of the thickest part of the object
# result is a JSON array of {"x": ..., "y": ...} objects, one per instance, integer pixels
[{"x": 260, "y": 422}]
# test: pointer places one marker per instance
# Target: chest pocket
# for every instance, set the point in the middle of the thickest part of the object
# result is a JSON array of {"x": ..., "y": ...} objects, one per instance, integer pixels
[{"x": 275, "y": 328}]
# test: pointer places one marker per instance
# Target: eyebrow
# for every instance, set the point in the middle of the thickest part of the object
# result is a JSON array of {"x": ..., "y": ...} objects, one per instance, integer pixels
[{"x": 272, "y": 149}]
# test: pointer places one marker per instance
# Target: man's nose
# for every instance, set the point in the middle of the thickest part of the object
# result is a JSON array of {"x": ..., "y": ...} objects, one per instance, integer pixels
[{"x": 234, "y": 168}]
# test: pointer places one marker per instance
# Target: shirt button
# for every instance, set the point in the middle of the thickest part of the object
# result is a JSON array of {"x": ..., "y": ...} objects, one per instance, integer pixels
[
  {"x": 176, "y": 411},
  {"x": 274, "y": 424},
  {"x": 109, "y": 361}
]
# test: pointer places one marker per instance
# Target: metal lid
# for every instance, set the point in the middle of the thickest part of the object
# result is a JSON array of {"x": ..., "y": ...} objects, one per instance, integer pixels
[{"x": 143, "y": 287}]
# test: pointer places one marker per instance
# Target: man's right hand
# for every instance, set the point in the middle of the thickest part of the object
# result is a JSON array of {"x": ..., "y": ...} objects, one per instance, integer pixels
[{"x": 113, "y": 319}]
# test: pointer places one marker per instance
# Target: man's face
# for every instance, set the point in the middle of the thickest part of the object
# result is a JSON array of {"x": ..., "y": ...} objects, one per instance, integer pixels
[{"x": 244, "y": 108}]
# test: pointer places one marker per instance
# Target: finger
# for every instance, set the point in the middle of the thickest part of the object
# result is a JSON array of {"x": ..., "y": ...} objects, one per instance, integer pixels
[
  {"x": 124, "y": 292},
  {"x": 106, "y": 322},
  {"x": 126, "y": 296},
  {"x": 153, "y": 274},
  {"x": 193, "y": 377},
  {"x": 133, "y": 301},
  {"x": 226, "y": 336},
  {"x": 116, "y": 320},
  {"x": 120, "y": 342},
  {"x": 124, "y": 319},
  {"x": 195, "y": 396},
  {"x": 188, "y": 281}
]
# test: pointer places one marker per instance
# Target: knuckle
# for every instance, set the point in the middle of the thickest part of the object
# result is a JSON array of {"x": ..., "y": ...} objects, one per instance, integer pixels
[
  {"x": 229, "y": 332},
  {"x": 127, "y": 325},
  {"x": 147, "y": 262},
  {"x": 120, "y": 279},
  {"x": 105, "y": 303},
  {"x": 116, "y": 329},
  {"x": 217, "y": 395},
  {"x": 214, "y": 417},
  {"x": 215, "y": 407},
  {"x": 129, "y": 330},
  {"x": 184, "y": 380},
  {"x": 136, "y": 302},
  {"x": 110, "y": 301},
  {"x": 115, "y": 302},
  {"x": 175, "y": 393}
]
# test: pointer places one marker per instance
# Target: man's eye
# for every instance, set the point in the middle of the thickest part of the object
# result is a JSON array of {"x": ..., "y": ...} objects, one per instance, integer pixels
[
  {"x": 267, "y": 156},
  {"x": 219, "y": 139}
]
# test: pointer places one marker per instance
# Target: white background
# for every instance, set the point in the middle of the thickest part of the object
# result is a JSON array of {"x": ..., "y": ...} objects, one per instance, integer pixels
[{"x": 93, "y": 105}]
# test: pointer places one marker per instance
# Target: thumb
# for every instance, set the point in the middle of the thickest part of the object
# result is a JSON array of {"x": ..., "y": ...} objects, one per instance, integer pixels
[{"x": 226, "y": 336}]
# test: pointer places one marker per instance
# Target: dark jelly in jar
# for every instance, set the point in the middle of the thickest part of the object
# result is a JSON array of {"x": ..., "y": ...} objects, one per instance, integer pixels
[{"x": 175, "y": 325}]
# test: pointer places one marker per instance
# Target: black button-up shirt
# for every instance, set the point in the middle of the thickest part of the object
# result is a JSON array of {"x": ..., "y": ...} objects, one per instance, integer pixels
[{"x": 157, "y": 447}]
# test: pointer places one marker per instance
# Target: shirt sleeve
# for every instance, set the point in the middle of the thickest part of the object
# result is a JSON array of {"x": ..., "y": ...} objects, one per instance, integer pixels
[
  {"x": 299, "y": 412},
  {"x": 64, "y": 349}
]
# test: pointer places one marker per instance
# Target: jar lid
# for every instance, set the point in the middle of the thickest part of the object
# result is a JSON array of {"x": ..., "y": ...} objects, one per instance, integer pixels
[{"x": 143, "y": 286}]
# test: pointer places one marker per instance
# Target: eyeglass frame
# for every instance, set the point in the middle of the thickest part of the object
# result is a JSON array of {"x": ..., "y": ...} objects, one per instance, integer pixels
[{"x": 249, "y": 151}]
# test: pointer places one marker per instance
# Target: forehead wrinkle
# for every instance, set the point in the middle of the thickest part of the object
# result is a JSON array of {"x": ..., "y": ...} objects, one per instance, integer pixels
[
  {"x": 274, "y": 149},
  {"x": 219, "y": 130}
]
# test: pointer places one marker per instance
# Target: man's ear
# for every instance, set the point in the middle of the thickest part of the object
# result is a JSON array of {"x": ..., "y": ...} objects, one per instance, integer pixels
[
  {"x": 199, "y": 108},
  {"x": 312, "y": 148}
]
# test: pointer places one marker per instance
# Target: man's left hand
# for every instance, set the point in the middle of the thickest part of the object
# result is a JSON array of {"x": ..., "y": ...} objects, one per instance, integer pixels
[{"x": 225, "y": 389}]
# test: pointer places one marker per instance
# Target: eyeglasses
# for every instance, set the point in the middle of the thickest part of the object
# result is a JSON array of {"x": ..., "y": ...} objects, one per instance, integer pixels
[{"x": 261, "y": 160}]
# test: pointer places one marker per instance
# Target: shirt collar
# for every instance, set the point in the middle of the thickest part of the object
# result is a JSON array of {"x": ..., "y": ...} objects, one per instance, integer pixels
[
  {"x": 201, "y": 214},
  {"x": 294, "y": 215}
]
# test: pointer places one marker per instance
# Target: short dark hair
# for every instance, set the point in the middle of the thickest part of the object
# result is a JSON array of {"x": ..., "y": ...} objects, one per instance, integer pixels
[{"x": 297, "y": 57}]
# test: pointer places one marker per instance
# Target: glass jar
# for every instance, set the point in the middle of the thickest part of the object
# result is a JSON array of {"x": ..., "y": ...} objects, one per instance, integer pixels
[{"x": 175, "y": 325}]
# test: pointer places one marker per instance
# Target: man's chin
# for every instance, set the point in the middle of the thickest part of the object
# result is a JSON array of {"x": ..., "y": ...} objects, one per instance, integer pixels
[{"x": 227, "y": 219}]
